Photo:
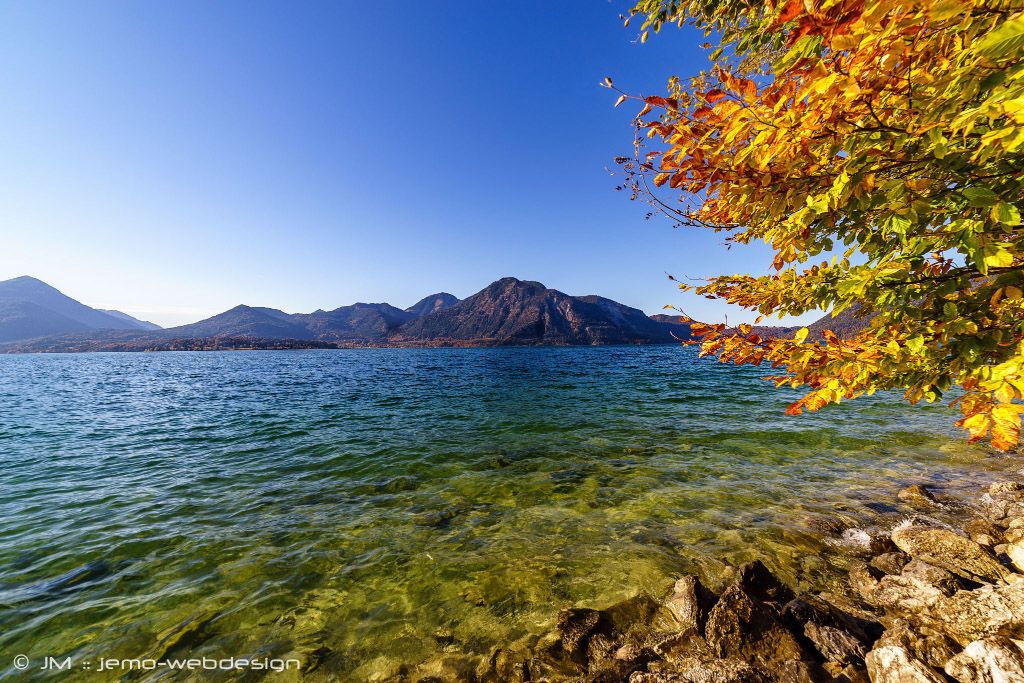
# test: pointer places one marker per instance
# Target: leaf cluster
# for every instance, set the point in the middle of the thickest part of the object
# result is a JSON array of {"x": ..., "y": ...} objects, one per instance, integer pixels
[{"x": 878, "y": 148}]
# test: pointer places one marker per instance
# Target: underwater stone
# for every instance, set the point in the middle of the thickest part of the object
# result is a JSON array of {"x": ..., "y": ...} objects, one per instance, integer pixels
[
  {"x": 917, "y": 496},
  {"x": 575, "y": 626},
  {"x": 759, "y": 583}
]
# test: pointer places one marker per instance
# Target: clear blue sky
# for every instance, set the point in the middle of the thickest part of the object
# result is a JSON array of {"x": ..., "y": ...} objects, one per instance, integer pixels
[{"x": 175, "y": 159}]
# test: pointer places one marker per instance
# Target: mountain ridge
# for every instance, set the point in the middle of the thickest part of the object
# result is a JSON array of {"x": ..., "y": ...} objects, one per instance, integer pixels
[{"x": 507, "y": 312}]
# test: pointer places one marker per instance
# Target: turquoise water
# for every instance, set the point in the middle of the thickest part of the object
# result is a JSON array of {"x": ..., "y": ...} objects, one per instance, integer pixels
[{"x": 361, "y": 510}]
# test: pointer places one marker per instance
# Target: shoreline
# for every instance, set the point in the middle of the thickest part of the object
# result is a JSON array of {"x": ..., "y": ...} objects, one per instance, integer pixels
[
  {"x": 210, "y": 344},
  {"x": 927, "y": 601}
]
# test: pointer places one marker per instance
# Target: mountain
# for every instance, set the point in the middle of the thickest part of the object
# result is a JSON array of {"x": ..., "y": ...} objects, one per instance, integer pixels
[
  {"x": 506, "y": 312},
  {"x": 140, "y": 324},
  {"x": 31, "y": 308},
  {"x": 846, "y": 325},
  {"x": 517, "y": 312},
  {"x": 25, "y": 320},
  {"x": 244, "y": 321},
  {"x": 432, "y": 304},
  {"x": 358, "y": 322},
  {"x": 672, "y": 319}
]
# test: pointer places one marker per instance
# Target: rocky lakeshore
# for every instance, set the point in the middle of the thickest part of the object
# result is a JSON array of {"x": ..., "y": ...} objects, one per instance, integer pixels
[{"x": 927, "y": 602}]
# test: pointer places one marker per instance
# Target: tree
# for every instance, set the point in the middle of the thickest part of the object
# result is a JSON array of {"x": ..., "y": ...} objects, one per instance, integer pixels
[{"x": 885, "y": 138}]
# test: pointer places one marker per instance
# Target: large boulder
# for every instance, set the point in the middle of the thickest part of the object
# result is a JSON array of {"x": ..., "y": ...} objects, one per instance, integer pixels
[
  {"x": 893, "y": 664},
  {"x": 864, "y": 580},
  {"x": 915, "y": 590},
  {"x": 932, "y": 647},
  {"x": 744, "y": 628},
  {"x": 986, "y": 611},
  {"x": 949, "y": 551},
  {"x": 983, "y": 532},
  {"x": 890, "y": 563},
  {"x": 991, "y": 660},
  {"x": 806, "y": 610}
]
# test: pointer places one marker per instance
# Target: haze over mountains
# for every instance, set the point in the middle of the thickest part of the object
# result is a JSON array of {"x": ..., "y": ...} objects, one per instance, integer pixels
[{"x": 37, "y": 317}]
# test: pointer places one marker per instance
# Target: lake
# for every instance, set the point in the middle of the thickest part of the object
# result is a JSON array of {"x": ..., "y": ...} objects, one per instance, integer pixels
[{"x": 364, "y": 509}]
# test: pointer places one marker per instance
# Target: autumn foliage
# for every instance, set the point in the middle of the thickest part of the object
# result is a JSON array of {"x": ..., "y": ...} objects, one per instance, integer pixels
[{"x": 878, "y": 148}]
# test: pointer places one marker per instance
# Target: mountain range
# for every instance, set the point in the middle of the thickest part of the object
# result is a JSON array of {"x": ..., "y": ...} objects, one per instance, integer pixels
[{"x": 35, "y": 317}]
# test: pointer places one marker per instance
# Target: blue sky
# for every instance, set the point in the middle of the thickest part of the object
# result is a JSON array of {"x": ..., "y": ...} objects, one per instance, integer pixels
[{"x": 175, "y": 159}]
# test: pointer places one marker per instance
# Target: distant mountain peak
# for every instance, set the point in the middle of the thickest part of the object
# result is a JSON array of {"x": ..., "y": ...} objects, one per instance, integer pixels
[
  {"x": 31, "y": 308},
  {"x": 432, "y": 304},
  {"x": 526, "y": 312}
]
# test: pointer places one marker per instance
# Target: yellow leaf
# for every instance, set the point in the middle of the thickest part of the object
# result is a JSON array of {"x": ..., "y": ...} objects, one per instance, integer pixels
[
  {"x": 800, "y": 335},
  {"x": 1006, "y": 425}
]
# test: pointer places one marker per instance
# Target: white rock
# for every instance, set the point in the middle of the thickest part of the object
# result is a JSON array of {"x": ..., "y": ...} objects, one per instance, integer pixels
[
  {"x": 893, "y": 664},
  {"x": 992, "y": 660}
]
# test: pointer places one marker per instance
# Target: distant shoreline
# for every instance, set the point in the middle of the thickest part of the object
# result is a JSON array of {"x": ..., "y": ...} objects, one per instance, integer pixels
[{"x": 151, "y": 345}]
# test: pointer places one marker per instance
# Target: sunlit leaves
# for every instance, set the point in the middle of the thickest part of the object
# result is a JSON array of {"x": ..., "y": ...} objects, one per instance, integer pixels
[{"x": 878, "y": 149}]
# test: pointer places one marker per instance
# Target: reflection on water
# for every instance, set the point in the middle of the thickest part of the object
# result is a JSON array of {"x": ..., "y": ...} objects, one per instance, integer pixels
[{"x": 368, "y": 508}]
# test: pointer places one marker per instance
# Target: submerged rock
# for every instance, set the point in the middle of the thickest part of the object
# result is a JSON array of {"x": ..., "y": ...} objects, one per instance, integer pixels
[
  {"x": 992, "y": 660},
  {"x": 917, "y": 496},
  {"x": 949, "y": 551},
  {"x": 576, "y": 626},
  {"x": 184, "y": 635},
  {"x": 758, "y": 582}
]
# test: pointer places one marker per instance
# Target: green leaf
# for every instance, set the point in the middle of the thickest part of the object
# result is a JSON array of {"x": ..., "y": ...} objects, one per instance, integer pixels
[
  {"x": 1006, "y": 213},
  {"x": 944, "y": 9},
  {"x": 1006, "y": 42},
  {"x": 980, "y": 196}
]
